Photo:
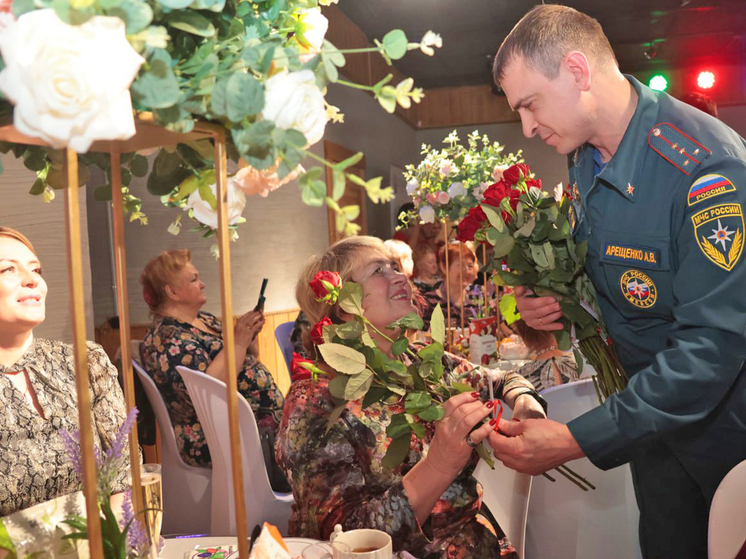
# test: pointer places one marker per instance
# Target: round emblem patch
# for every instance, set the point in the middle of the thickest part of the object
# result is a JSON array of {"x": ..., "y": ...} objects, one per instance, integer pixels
[{"x": 638, "y": 289}]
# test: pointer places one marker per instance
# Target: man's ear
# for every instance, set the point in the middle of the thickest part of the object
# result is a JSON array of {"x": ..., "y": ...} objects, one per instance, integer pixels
[{"x": 576, "y": 63}]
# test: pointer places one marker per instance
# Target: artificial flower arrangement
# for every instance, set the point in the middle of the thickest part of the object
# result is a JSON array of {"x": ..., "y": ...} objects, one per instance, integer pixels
[
  {"x": 123, "y": 538},
  {"x": 414, "y": 377},
  {"x": 450, "y": 181},
  {"x": 531, "y": 234},
  {"x": 73, "y": 71}
]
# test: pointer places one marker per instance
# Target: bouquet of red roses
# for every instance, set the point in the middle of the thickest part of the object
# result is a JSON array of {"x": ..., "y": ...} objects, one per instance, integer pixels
[{"x": 531, "y": 235}]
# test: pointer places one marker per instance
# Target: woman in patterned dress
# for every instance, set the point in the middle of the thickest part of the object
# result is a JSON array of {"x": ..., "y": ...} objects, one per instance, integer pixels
[
  {"x": 183, "y": 334},
  {"x": 430, "y": 504},
  {"x": 37, "y": 390}
]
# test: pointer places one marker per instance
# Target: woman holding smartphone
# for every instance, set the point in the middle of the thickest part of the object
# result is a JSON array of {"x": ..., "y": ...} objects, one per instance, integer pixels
[{"x": 183, "y": 334}]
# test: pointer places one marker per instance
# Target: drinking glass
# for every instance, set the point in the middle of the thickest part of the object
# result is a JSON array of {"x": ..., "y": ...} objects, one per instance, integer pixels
[
  {"x": 152, "y": 501},
  {"x": 326, "y": 550}
]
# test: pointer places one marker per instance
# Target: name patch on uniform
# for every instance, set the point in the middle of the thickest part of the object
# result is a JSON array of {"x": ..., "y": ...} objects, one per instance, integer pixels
[
  {"x": 709, "y": 186},
  {"x": 628, "y": 254},
  {"x": 638, "y": 289},
  {"x": 719, "y": 234}
]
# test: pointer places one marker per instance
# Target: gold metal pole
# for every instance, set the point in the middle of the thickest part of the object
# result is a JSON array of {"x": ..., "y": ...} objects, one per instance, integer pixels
[
  {"x": 221, "y": 173},
  {"x": 120, "y": 264},
  {"x": 486, "y": 312},
  {"x": 448, "y": 287},
  {"x": 462, "y": 291},
  {"x": 82, "y": 382}
]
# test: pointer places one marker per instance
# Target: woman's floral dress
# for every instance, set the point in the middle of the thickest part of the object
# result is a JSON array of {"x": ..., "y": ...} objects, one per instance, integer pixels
[
  {"x": 337, "y": 475},
  {"x": 171, "y": 342},
  {"x": 541, "y": 373}
]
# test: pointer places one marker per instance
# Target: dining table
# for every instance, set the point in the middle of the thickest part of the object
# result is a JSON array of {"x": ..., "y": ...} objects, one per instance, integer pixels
[{"x": 181, "y": 546}]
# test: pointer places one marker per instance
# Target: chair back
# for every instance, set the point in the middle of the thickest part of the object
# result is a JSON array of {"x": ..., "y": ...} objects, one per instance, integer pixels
[
  {"x": 282, "y": 335},
  {"x": 727, "y": 527},
  {"x": 187, "y": 490},
  {"x": 565, "y": 522},
  {"x": 210, "y": 399},
  {"x": 506, "y": 493}
]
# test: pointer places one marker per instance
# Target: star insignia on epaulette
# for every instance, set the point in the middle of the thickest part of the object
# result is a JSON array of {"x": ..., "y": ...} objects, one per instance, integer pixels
[{"x": 630, "y": 189}]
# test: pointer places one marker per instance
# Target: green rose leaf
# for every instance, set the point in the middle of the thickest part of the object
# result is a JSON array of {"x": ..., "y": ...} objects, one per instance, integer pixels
[
  {"x": 375, "y": 394},
  {"x": 192, "y": 22},
  {"x": 343, "y": 359},
  {"x": 503, "y": 245},
  {"x": 337, "y": 386},
  {"x": 400, "y": 346},
  {"x": 244, "y": 96},
  {"x": 416, "y": 402},
  {"x": 395, "y": 44},
  {"x": 396, "y": 452},
  {"x": 526, "y": 229},
  {"x": 396, "y": 367},
  {"x": 350, "y": 330},
  {"x": 398, "y": 426},
  {"x": 485, "y": 455},
  {"x": 38, "y": 188},
  {"x": 433, "y": 413},
  {"x": 351, "y": 298},
  {"x": 462, "y": 387},
  {"x": 136, "y": 15},
  {"x": 563, "y": 339},
  {"x": 358, "y": 385},
  {"x": 157, "y": 87},
  {"x": 335, "y": 415},
  {"x": 432, "y": 352},
  {"x": 438, "y": 325},
  {"x": 537, "y": 253},
  {"x": 139, "y": 165},
  {"x": 494, "y": 217},
  {"x": 411, "y": 321}
]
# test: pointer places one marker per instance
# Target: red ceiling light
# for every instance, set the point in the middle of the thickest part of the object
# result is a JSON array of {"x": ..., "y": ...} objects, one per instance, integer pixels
[{"x": 705, "y": 80}]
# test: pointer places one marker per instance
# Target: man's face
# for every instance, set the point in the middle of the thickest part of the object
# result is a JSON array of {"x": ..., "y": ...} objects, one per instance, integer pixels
[{"x": 552, "y": 109}]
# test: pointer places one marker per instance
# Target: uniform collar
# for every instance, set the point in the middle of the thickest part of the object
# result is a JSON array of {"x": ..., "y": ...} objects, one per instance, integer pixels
[{"x": 623, "y": 170}]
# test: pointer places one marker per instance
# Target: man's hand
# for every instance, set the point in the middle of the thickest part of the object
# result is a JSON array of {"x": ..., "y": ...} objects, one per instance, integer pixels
[
  {"x": 540, "y": 313},
  {"x": 534, "y": 446}
]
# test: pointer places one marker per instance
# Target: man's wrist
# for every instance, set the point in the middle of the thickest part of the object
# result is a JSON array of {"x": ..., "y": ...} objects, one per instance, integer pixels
[{"x": 571, "y": 449}]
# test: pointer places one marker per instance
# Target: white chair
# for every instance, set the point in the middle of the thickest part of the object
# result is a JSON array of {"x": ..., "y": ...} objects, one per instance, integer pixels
[
  {"x": 209, "y": 397},
  {"x": 506, "y": 494},
  {"x": 187, "y": 490},
  {"x": 565, "y": 522},
  {"x": 727, "y": 527}
]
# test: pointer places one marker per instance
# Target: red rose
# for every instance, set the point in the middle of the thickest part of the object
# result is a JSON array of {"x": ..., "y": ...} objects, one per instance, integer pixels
[
  {"x": 471, "y": 224},
  {"x": 533, "y": 182},
  {"x": 317, "y": 334},
  {"x": 496, "y": 193},
  {"x": 512, "y": 174},
  {"x": 325, "y": 285},
  {"x": 297, "y": 371}
]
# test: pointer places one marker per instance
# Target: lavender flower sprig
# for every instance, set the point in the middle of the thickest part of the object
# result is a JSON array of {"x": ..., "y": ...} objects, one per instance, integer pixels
[{"x": 137, "y": 538}]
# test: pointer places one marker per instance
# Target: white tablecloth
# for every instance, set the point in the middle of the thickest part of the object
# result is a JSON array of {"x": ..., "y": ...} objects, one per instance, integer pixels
[{"x": 175, "y": 548}]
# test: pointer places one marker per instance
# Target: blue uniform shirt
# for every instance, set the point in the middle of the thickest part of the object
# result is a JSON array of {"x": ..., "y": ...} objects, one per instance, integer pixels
[{"x": 665, "y": 230}]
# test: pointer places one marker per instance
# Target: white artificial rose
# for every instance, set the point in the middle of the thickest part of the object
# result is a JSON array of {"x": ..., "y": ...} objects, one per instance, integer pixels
[
  {"x": 203, "y": 212},
  {"x": 456, "y": 189},
  {"x": 427, "y": 214},
  {"x": 293, "y": 100},
  {"x": 69, "y": 83},
  {"x": 315, "y": 26},
  {"x": 412, "y": 186}
]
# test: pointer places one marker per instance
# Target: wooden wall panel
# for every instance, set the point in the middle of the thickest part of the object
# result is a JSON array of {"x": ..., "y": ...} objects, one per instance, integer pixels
[{"x": 460, "y": 106}]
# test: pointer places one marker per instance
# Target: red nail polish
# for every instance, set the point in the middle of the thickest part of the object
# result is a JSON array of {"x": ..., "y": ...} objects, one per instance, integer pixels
[
  {"x": 490, "y": 405},
  {"x": 516, "y": 419},
  {"x": 475, "y": 394},
  {"x": 493, "y": 421}
]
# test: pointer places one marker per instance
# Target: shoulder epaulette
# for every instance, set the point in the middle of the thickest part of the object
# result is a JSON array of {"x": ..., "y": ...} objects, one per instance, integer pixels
[{"x": 680, "y": 150}]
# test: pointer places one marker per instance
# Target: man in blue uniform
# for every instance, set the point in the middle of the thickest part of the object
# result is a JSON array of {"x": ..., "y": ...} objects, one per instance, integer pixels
[{"x": 659, "y": 192}]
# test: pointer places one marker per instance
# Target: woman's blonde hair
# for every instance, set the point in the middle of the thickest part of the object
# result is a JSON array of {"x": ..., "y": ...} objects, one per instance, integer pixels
[
  {"x": 20, "y": 237},
  {"x": 342, "y": 257},
  {"x": 160, "y": 272}
]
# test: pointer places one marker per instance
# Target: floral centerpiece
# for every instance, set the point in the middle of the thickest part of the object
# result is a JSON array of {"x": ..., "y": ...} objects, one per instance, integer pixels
[
  {"x": 531, "y": 234},
  {"x": 450, "y": 181},
  {"x": 73, "y": 71},
  {"x": 123, "y": 535}
]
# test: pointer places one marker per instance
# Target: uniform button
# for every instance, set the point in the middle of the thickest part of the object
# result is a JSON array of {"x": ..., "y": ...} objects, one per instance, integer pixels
[
  {"x": 656, "y": 131},
  {"x": 696, "y": 151},
  {"x": 686, "y": 163}
]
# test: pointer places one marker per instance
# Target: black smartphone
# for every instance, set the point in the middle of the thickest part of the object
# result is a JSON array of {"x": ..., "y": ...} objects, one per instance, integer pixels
[{"x": 262, "y": 298}]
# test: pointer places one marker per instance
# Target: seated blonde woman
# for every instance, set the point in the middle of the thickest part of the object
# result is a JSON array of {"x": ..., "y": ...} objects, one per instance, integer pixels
[
  {"x": 430, "y": 504},
  {"x": 37, "y": 387},
  {"x": 183, "y": 334}
]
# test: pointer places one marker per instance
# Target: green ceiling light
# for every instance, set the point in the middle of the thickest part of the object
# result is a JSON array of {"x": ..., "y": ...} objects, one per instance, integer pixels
[{"x": 658, "y": 82}]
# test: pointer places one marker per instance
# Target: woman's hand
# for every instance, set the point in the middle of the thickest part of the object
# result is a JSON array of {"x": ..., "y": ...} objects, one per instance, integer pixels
[
  {"x": 540, "y": 313},
  {"x": 449, "y": 451},
  {"x": 247, "y": 327},
  {"x": 525, "y": 406}
]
